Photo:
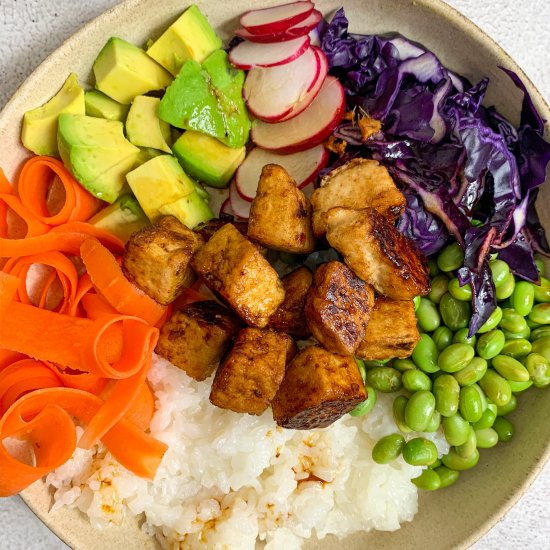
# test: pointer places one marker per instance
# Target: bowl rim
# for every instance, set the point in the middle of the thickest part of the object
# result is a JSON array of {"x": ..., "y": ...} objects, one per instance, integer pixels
[{"x": 464, "y": 25}]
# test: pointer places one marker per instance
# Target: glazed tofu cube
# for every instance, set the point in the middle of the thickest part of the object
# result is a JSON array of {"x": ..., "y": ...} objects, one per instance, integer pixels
[
  {"x": 318, "y": 388},
  {"x": 290, "y": 316},
  {"x": 338, "y": 307},
  {"x": 233, "y": 267},
  {"x": 252, "y": 372},
  {"x": 196, "y": 337},
  {"x": 391, "y": 332},
  {"x": 157, "y": 259},
  {"x": 378, "y": 253},
  {"x": 357, "y": 184},
  {"x": 280, "y": 216}
]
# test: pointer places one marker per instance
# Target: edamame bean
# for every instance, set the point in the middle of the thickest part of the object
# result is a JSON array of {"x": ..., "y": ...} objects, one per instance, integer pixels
[
  {"x": 388, "y": 448},
  {"x": 469, "y": 446},
  {"x": 492, "y": 322},
  {"x": 450, "y": 258},
  {"x": 524, "y": 333},
  {"x": 447, "y": 394},
  {"x": 499, "y": 271},
  {"x": 377, "y": 363},
  {"x": 425, "y": 354},
  {"x": 482, "y": 396},
  {"x": 510, "y": 407},
  {"x": 469, "y": 404},
  {"x": 446, "y": 476},
  {"x": 519, "y": 387},
  {"x": 367, "y": 405},
  {"x": 462, "y": 293},
  {"x": 539, "y": 370},
  {"x": 442, "y": 337},
  {"x": 540, "y": 314},
  {"x": 399, "y": 406},
  {"x": 487, "y": 418},
  {"x": 384, "y": 379},
  {"x": 455, "y": 314},
  {"x": 516, "y": 348},
  {"x": 416, "y": 302},
  {"x": 472, "y": 372},
  {"x": 523, "y": 298},
  {"x": 435, "y": 464},
  {"x": 461, "y": 337},
  {"x": 420, "y": 452},
  {"x": 512, "y": 321},
  {"x": 403, "y": 365},
  {"x": 506, "y": 288},
  {"x": 532, "y": 325},
  {"x": 428, "y": 480},
  {"x": 432, "y": 268},
  {"x": 490, "y": 344},
  {"x": 454, "y": 461},
  {"x": 486, "y": 438},
  {"x": 427, "y": 315},
  {"x": 434, "y": 423},
  {"x": 496, "y": 388},
  {"x": 542, "y": 347},
  {"x": 540, "y": 266},
  {"x": 415, "y": 380},
  {"x": 362, "y": 369},
  {"x": 542, "y": 291},
  {"x": 419, "y": 410},
  {"x": 510, "y": 368},
  {"x": 540, "y": 332},
  {"x": 456, "y": 429},
  {"x": 504, "y": 428},
  {"x": 455, "y": 357},
  {"x": 439, "y": 288}
]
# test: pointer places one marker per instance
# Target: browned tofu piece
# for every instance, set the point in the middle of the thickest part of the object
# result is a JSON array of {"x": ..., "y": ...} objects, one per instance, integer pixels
[
  {"x": 234, "y": 268},
  {"x": 391, "y": 332},
  {"x": 196, "y": 337},
  {"x": 157, "y": 259},
  {"x": 318, "y": 388},
  {"x": 252, "y": 372},
  {"x": 207, "y": 229},
  {"x": 338, "y": 307},
  {"x": 280, "y": 216},
  {"x": 357, "y": 184},
  {"x": 378, "y": 253},
  {"x": 290, "y": 316}
]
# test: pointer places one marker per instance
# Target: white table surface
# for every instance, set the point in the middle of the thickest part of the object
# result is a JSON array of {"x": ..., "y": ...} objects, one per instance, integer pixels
[{"x": 31, "y": 29}]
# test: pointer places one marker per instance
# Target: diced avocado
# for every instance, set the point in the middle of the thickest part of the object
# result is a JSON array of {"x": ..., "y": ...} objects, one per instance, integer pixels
[
  {"x": 123, "y": 71},
  {"x": 122, "y": 218},
  {"x": 143, "y": 126},
  {"x": 101, "y": 106},
  {"x": 191, "y": 210},
  {"x": 97, "y": 153},
  {"x": 207, "y": 159},
  {"x": 202, "y": 192},
  {"x": 208, "y": 99},
  {"x": 190, "y": 37},
  {"x": 146, "y": 154},
  {"x": 39, "y": 132},
  {"x": 158, "y": 182}
]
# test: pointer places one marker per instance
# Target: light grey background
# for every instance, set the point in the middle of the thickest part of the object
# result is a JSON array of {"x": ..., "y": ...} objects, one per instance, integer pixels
[{"x": 31, "y": 29}]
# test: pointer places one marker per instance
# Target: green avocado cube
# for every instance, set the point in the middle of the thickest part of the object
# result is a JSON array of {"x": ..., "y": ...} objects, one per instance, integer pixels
[
  {"x": 143, "y": 126},
  {"x": 190, "y": 210},
  {"x": 101, "y": 106}
]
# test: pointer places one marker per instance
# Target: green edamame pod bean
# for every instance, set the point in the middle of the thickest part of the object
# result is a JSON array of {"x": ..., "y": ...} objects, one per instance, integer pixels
[
  {"x": 504, "y": 429},
  {"x": 455, "y": 314},
  {"x": 506, "y": 288},
  {"x": 539, "y": 369},
  {"x": 419, "y": 410},
  {"x": 542, "y": 347},
  {"x": 420, "y": 452},
  {"x": 367, "y": 405},
  {"x": 416, "y": 302},
  {"x": 439, "y": 287},
  {"x": 403, "y": 365},
  {"x": 510, "y": 407},
  {"x": 415, "y": 380},
  {"x": 490, "y": 344},
  {"x": 496, "y": 388},
  {"x": 432, "y": 268},
  {"x": 446, "y": 476},
  {"x": 427, "y": 315},
  {"x": 461, "y": 337},
  {"x": 384, "y": 379},
  {"x": 362, "y": 369},
  {"x": 434, "y": 423},
  {"x": 519, "y": 387},
  {"x": 442, "y": 337},
  {"x": 532, "y": 325},
  {"x": 456, "y": 429},
  {"x": 472, "y": 372},
  {"x": 523, "y": 298},
  {"x": 425, "y": 354},
  {"x": 516, "y": 348},
  {"x": 469, "y": 446},
  {"x": 428, "y": 480},
  {"x": 540, "y": 332},
  {"x": 462, "y": 293},
  {"x": 540, "y": 314},
  {"x": 540, "y": 266},
  {"x": 470, "y": 404},
  {"x": 482, "y": 396},
  {"x": 542, "y": 291},
  {"x": 435, "y": 464},
  {"x": 487, "y": 418},
  {"x": 512, "y": 321},
  {"x": 447, "y": 393},
  {"x": 525, "y": 333},
  {"x": 486, "y": 438},
  {"x": 398, "y": 409},
  {"x": 450, "y": 258},
  {"x": 499, "y": 271},
  {"x": 455, "y": 357},
  {"x": 510, "y": 368},
  {"x": 377, "y": 363},
  {"x": 388, "y": 448},
  {"x": 454, "y": 461},
  {"x": 492, "y": 322}
]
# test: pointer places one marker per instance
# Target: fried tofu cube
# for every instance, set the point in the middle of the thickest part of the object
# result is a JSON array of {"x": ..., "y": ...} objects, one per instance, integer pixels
[
  {"x": 157, "y": 259},
  {"x": 280, "y": 216},
  {"x": 233, "y": 267},
  {"x": 207, "y": 229},
  {"x": 378, "y": 253},
  {"x": 391, "y": 332},
  {"x": 338, "y": 307},
  {"x": 360, "y": 183},
  {"x": 318, "y": 388},
  {"x": 290, "y": 316},
  {"x": 252, "y": 372},
  {"x": 196, "y": 337}
]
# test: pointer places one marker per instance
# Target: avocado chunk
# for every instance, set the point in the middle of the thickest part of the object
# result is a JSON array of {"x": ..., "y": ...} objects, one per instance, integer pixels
[
  {"x": 157, "y": 182},
  {"x": 208, "y": 99},
  {"x": 122, "y": 218},
  {"x": 207, "y": 159},
  {"x": 123, "y": 71},
  {"x": 190, "y": 210},
  {"x": 190, "y": 37},
  {"x": 143, "y": 126},
  {"x": 102, "y": 106},
  {"x": 97, "y": 153},
  {"x": 39, "y": 132},
  {"x": 146, "y": 154}
]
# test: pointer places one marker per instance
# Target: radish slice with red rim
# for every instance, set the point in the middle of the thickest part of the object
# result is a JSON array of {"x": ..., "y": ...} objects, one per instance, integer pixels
[
  {"x": 226, "y": 208},
  {"x": 248, "y": 55},
  {"x": 240, "y": 207},
  {"x": 275, "y": 19}
]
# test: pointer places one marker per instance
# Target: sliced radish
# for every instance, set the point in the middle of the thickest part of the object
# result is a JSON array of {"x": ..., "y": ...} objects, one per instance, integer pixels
[
  {"x": 276, "y": 19},
  {"x": 226, "y": 208},
  {"x": 300, "y": 29},
  {"x": 303, "y": 167},
  {"x": 309, "y": 128},
  {"x": 240, "y": 207},
  {"x": 271, "y": 93},
  {"x": 247, "y": 55}
]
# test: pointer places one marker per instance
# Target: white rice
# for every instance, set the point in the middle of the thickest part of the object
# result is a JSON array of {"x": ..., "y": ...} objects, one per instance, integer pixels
[{"x": 229, "y": 479}]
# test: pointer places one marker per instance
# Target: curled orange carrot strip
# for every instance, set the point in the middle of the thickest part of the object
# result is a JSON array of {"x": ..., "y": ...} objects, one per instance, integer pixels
[
  {"x": 97, "y": 306},
  {"x": 9, "y": 286},
  {"x": 34, "y": 226},
  {"x": 142, "y": 408},
  {"x": 7, "y": 357}
]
